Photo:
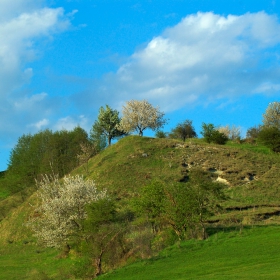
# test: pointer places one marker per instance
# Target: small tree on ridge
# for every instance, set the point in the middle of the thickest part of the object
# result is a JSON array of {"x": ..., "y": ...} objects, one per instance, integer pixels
[{"x": 140, "y": 115}]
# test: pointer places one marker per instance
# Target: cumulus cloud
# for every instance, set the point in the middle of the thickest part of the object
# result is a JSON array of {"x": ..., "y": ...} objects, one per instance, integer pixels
[
  {"x": 22, "y": 24},
  {"x": 40, "y": 124},
  {"x": 70, "y": 123},
  {"x": 204, "y": 57}
]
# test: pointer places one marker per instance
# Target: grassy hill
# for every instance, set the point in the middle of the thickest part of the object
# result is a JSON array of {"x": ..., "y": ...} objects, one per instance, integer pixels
[
  {"x": 252, "y": 254},
  {"x": 250, "y": 174}
]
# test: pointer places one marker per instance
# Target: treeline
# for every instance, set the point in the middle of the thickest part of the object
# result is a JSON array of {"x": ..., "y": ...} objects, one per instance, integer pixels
[
  {"x": 45, "y": 152},
  {"x": 60, "y": 152}
]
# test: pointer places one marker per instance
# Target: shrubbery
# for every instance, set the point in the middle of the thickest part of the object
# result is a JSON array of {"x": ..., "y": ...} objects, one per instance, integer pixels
[
  {"x": 270, "y": 137},
  {"x": 212, "y": 135}
]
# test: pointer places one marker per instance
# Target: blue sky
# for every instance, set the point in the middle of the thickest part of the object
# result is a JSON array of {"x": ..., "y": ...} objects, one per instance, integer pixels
[{"x": 208, "y": 61}]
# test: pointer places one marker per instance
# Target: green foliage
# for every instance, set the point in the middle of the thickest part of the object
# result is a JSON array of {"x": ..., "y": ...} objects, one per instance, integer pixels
[
  {"x": 161, "y": 134},
  {"x": 151, "y": 203},
  {"x": 45, "y": 152},
  {"x": 210, "y": 134},
  {"x": 103, "y": 235},
  {"x": 253, "y": 133},
  {"x": 106, "y": 126},
  {"x": 183, "y": 131},
  {"x": 182, "y": 206},
  {"x": 270, "y": 137},
  {"x": 218, "y": 138}
]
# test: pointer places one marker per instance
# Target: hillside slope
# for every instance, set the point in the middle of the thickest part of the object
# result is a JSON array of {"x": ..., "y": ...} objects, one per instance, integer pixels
[{"x": 251, "y": 179}]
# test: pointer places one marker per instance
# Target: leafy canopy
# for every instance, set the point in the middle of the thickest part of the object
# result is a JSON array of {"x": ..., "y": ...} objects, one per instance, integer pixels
[
  {"x": 106, "y": 125},
  {"x": 183, "y": 131}
]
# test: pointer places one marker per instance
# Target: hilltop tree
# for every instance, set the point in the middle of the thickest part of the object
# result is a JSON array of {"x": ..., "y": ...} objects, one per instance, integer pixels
[
  {"x": 231, "y": 132},
  {"x": 140, "y": 115},
  {"x": 183, "y": 131},
  {"x": 107, "y": 125},
  {"x": 271, "y": 117}
]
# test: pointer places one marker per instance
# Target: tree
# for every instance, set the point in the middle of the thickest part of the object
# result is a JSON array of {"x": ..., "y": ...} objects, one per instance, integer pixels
[
  {"x": 182, "y": 206},
  {"x": 207, "y": 131},
  {"x": 270, "y": 137},
  {"x": 140, "y": 115},
  {"x": 151, "y": 203},
  {"x": 211, "y": 134},
  {"x": 107, "y": 124},
  {"x": 88, "y": 150},
  {"x": 183, "y": 131},
  {"x": 253, "y": 133},
  {"x": 231, "y": 132},
  {"x": 103, "y": 234},
  {"x": 58, "y": 219},
  {"x": 206, "y": 196},
  {"x": 271, "y": 117},
  {"x": 179, "y": 211}
]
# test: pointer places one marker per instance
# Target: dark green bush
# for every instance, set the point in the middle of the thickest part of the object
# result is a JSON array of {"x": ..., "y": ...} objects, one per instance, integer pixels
[{"x": 270, "y": 137}]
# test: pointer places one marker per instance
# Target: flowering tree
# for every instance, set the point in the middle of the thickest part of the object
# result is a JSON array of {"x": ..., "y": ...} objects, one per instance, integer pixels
[
  {"x": 271, "y": 117},
  {"x": 231, "y": 132},
  {"x": 62, "y": 210},
  {"x": 139, "y": 115}
]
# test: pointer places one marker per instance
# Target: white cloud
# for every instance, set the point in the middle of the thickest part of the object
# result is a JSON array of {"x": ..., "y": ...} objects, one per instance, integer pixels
[
  {"x": 23, "y": 23},
  {"x": 26, "y": 103},
  {"x": 69, "y": 122},
  {"x": 204, "y": 57},
  {"x": 267, "y": 88},
  {"x": 20, "y": 33},
  {"x": 40, "y": 124}
]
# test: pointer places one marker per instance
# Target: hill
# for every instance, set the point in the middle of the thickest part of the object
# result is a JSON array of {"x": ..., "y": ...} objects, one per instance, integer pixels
[
  {"x": 252, "y": 254},
  {"x": 249, "y": 173}
]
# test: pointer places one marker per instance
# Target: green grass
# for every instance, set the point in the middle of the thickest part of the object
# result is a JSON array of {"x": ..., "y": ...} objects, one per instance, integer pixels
[
  {"x": 25, "y": 261},
  {"x": 123, "y": 169},
  {"x": 252, "y": 254},
  {"x": 258, "y": 148}
]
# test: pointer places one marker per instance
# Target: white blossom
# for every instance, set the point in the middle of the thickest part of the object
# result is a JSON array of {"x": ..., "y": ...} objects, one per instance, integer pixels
[
  {"x": 139, "y": 115},
  {"x": 62, "y": 208}
]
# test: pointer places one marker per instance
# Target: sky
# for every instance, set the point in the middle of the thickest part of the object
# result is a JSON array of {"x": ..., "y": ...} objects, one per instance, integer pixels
[{"x": 211, "y": 61}]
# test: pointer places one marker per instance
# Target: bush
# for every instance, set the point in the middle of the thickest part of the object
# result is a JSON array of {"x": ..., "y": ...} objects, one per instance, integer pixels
[
  {"x": 270, "y": 137},
  {"x": 211, "y": 134},
  {"x": 219, "y": 138},
  {"x": 161, "y": 134}
]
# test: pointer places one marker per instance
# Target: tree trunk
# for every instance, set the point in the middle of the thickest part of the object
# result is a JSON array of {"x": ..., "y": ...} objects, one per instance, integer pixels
[{"x": 98, "y": 264}]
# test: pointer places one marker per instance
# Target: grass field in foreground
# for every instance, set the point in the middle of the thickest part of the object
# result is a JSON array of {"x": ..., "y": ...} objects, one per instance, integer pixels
[{"x": 252, "y": 254}]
